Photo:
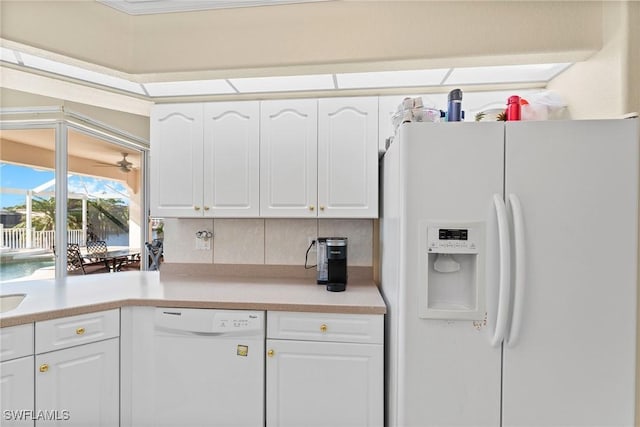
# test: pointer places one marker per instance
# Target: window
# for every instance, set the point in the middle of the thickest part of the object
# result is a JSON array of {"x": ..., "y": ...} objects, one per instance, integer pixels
[{"x": 104, "y": 191}]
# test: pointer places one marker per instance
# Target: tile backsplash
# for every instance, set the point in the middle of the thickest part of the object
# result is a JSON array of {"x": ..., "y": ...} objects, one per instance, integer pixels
[{"x": 264, "y": 241}]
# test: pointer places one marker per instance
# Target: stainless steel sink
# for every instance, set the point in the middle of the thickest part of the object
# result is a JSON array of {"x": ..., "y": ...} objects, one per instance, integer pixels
[{"x": 9, "y": 302}]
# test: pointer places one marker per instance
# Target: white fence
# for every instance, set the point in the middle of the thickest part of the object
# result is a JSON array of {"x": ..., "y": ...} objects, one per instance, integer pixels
[{"x": 16, "y": 238}]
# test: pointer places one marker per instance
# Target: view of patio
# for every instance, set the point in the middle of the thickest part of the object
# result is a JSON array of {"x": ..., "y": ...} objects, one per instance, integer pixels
[{"x": 103, "y": 199}]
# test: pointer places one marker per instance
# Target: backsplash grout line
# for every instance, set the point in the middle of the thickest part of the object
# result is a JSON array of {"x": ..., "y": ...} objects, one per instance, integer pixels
[{"x": 264, "y": 241}]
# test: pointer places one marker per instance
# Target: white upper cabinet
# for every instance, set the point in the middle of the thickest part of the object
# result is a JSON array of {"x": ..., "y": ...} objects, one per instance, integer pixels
[
  {"x": 176, "y": 160},
  {"x": 205, "y": 160},
  {"x": 288, "y": 158},
  {"x": 294, "y": 158},
  {"x": 348, "y": 157},
  {"x": 232, "y": 159}
]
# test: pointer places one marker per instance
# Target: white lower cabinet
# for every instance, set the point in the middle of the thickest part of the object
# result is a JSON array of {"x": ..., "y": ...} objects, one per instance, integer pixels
[
  {"x": 79, "y": 386},
  {"x": 16, "y": 375},
  {"x": 320, "y": 378},
  {"x": 16, "y": 393},
  {"x": 77, "y": 370}
]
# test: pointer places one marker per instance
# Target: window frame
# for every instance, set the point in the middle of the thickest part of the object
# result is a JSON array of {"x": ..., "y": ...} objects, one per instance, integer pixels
[{"x": 61, "y": 120}]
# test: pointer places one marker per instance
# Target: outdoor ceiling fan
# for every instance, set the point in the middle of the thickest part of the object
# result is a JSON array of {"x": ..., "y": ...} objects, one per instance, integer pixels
[{"x": 124, "y": 165}]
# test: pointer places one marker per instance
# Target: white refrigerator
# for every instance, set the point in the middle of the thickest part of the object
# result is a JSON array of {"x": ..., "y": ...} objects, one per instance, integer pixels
[{"x": 509, "y": 267}]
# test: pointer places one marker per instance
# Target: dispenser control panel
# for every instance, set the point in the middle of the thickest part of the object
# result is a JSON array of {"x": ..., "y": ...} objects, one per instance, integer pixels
[
  {"x": 452, "y": 271},
  {"x": 452, "y": 240}
]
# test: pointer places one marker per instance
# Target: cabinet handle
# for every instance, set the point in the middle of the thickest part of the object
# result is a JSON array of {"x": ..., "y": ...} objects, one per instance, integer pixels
[
  {"x": 44, "y": 367},
  {"x": 270, "y": 353},
  {"x": 79, "y": 331},
  {"x": 206, "y": 208},
  {"x": 323, "y": 328},
  {"x": 196, "y": 208},
  {"x": 311, "y": 207},
  {"x": 321, "y": 207}
]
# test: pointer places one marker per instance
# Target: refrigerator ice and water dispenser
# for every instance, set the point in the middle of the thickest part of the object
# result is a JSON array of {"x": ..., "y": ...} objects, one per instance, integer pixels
[{"x": 452, "y": 272}]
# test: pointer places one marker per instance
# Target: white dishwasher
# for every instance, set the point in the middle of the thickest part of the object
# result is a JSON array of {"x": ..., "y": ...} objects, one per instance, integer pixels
[{"x": 195, "y": 367}]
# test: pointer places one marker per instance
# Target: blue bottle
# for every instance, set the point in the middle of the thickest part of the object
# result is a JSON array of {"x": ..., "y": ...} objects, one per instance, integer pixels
[{"x": 454, "y": 107}]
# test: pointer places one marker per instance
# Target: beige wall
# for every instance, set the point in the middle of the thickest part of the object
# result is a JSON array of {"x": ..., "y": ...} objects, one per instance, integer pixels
[
  {"x": 606, "y": 85},
  {"x": 89, "y": 31},
  {"x": 634, "y": 57},
  {"x": 319, "y": 36}
]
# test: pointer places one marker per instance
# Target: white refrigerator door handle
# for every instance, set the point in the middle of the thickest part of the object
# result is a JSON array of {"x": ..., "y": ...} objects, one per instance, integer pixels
[
  {"x": 520, "y": 267},
  {"x": 502, "y": 317}
]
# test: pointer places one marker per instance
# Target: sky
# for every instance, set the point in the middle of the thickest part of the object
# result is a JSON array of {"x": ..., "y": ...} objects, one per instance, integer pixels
[{"x": 22, "y": 177}]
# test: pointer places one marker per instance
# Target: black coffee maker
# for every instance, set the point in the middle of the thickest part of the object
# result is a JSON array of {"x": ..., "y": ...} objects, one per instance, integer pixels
[{"x": 332, "y": 263}]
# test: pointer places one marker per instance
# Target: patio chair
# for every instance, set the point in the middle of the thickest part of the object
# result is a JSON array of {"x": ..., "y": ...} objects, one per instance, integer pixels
[
  {"x": 155, "y": 253},
  {"x": 77, "y": 265},
  {"x": 74, "y": 246},
  {"x": 97, "y": 246}
]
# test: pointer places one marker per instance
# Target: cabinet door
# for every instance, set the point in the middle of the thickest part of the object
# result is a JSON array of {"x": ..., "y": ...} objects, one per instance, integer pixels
[
  {"x": 176, "y": 160},
  {"x": 324, "y": 384},
  {"x": 80, "y": 384},
  {"x": 231, "y": 159},
  {"x": 288, "y": 158},
  {"x": 348, "y": 157},
  {"x": 16, "y": 341},
  {"x": 16, "y": 382}
]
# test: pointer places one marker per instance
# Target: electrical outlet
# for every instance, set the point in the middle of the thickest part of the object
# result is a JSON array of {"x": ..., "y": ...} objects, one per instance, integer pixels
[
  {"x": 309, "y": 242},
  {"x": 203, "y": 244}
]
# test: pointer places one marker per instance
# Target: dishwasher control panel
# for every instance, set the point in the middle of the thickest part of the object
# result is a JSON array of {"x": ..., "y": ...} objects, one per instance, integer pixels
[
  {"x": 229, "y": 321},
  {"x": 209, "y": 321}
]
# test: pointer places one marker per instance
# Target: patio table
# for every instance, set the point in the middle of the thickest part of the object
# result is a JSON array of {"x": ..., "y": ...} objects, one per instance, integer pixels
[{"x": 114, "y": 259}]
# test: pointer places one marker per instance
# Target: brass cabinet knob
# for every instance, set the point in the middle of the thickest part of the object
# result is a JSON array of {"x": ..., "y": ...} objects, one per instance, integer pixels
[
  {"x": 321, "y": 207},
  {"x": 270, "y": 353},
  {"x": 206, "y": 208},
  {"x": 311, "y": 207},
  {"x": 196, "y": 208},
  {"x": 44, "y": 367},
  {"x": 80, "y": 331},
  {"x": 323, "y": 328}
]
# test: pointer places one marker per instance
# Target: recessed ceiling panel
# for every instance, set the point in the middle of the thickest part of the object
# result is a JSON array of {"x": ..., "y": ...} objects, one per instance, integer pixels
[
  {"x": 384, "y": 79},
  {"x": 80, "y": 73},
  {"x": 193, "y": 87},
  {"x": 505, "y": 74},
  {"x": 147, "y": 7},
  {"x": 284, "y": 84},
  {"x": 7, "y": 55}
]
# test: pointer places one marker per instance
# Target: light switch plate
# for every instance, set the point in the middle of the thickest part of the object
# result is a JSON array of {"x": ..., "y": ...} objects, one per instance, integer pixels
[{"x": 203, "y": 244}]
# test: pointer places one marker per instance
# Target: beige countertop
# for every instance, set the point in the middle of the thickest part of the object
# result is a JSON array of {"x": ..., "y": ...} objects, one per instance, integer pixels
[{"x": 49, "y": 299}]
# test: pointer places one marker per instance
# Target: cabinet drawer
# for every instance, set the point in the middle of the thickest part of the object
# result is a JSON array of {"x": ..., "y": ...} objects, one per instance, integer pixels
[
  {"x": 74, "y": 330},
  {"x": 356, "y": 328},
  {"x": 16, "y": 341}
]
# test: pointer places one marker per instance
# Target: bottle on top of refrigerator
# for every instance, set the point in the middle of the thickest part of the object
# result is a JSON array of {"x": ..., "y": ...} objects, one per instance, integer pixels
[{"x": 454, "y": 106}]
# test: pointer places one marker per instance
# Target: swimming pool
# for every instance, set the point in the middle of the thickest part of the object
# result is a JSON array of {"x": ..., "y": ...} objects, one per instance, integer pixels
[{"x": 14, "y": 269}]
